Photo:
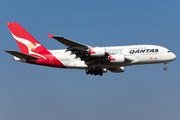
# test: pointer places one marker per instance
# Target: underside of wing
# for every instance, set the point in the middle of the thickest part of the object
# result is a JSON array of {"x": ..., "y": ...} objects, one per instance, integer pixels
[
  {"x": 67, "y": 42},
  {"x": 92, "y": 56},
  {"x": 80, "y": 50}
]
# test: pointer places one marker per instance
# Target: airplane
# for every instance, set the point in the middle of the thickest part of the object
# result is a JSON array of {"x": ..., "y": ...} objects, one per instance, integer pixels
[{"x": 94, "y": 60}]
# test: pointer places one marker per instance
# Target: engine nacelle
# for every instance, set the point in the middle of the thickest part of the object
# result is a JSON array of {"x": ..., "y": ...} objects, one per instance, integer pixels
[
  {"x": 97, "y": 52},
  {"x": 117, "y": 70},
  {"x": 116, "y": 58}
]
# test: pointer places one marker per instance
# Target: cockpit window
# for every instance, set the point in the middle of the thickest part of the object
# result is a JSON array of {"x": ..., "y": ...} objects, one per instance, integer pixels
[{"x": 168, "y": 51}]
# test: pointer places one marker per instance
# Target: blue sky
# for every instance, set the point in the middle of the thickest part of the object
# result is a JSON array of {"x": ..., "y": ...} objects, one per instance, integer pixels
[{"x": 30, "y": 92}]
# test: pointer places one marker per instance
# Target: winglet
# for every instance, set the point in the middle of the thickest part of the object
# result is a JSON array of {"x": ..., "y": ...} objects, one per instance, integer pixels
[{"x": 50, "y": 36}]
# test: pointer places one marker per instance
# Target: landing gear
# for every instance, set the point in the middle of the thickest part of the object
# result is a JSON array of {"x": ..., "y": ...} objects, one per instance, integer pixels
[
  {"x": 165, "y": 68},
  {"x": 96, "y": 71},
  {"x": 87, "y": 72},
  {"x": 91, "y": 72}
]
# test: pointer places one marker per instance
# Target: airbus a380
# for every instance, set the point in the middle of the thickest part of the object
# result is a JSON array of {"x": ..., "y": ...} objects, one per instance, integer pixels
[{"x": 94, "y": 60}]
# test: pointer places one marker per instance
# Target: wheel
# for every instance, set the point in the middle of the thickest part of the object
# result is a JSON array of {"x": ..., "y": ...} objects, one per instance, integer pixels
[
  {"x": 95, "y": 72},
  {"x": 87, "y": 72},
  {"x": 91, "y": 72},
  {"x": 101, "y": 74},
  {"x": 165, "y": 68}
]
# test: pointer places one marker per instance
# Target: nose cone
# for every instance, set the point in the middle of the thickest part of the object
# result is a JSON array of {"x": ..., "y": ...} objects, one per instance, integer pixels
[{"x": 173, "y": 56}]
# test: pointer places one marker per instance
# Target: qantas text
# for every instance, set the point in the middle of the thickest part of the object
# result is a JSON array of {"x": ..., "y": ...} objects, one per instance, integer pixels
[{"x": 144, "y": 51}]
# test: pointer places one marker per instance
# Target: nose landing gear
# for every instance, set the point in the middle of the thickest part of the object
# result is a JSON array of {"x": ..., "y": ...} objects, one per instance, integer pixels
[{"x": 165, "y": 68}]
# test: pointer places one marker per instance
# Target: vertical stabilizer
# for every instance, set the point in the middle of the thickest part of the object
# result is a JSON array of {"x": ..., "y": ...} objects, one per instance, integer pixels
[
  {"x": 27, "y": 43},
  {"x": 32, "y": 51},
  {"x": 24, "y": 40}
]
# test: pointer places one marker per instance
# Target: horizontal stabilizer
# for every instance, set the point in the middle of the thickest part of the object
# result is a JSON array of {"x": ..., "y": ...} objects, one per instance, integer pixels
[{"x": 21, "y": 55}]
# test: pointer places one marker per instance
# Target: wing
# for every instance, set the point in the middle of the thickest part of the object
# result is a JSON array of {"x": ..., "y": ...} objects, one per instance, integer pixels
[
  {"x": 80, "y": 50},
  {"x": 67, "y": 42}
]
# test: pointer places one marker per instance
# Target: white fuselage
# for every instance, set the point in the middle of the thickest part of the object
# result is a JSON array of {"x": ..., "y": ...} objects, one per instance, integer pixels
[{"x": 137, "y": 54}]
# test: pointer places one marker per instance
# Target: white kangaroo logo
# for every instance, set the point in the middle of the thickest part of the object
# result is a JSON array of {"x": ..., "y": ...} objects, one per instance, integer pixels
[{"x": 29, "y": 45}]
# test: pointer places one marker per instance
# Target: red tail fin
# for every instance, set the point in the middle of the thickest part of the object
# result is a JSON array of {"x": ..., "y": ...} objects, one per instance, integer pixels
[
  {"x": 25, "y": 41},
  {"x": 29, "y": 45}
]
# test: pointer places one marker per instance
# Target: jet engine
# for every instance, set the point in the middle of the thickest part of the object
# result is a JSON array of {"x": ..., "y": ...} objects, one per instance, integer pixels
[
  {"x": 116, "y": 58},
  {"x": 97, "y": 51},
  {"x": 117, "y": 70}
]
